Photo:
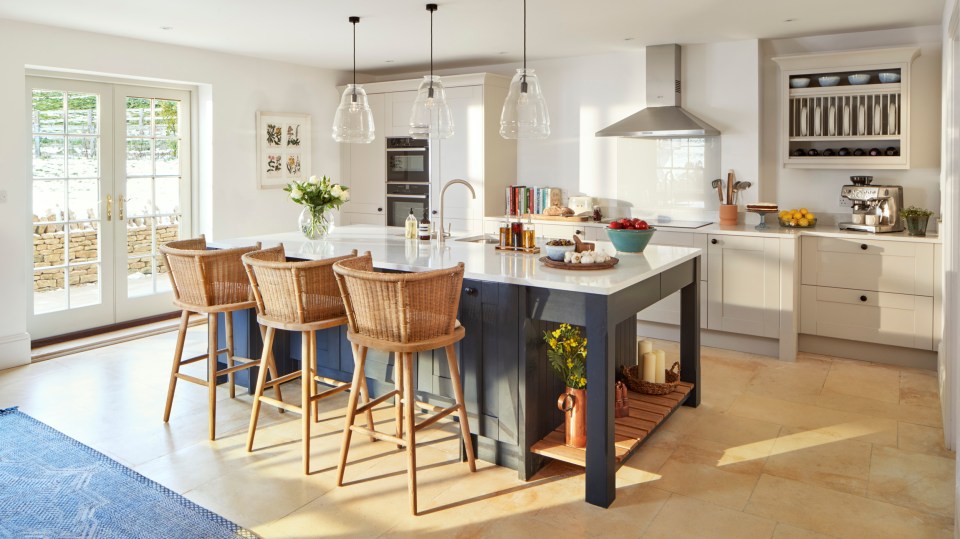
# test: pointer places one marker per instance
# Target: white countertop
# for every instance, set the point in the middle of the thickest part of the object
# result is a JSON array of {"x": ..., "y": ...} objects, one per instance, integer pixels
[
  {"x": 774, "y": 230},
  {"x": 481, "y": 261}
]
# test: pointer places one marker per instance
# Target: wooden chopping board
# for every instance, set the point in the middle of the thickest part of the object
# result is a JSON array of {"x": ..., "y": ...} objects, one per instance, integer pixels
[{"x": 569, "y": 219}]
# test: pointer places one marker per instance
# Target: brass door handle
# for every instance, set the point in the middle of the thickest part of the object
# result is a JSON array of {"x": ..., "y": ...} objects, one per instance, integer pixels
[
  {"x": 120, "y": 208},
  {"x": 109, "y": 208}
]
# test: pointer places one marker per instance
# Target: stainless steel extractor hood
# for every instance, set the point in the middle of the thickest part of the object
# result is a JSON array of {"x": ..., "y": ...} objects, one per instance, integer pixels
[{"x": 663, "y": 117}]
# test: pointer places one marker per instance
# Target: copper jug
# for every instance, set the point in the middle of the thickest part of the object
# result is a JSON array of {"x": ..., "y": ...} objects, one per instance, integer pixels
[{"x": 573, "y": 404}]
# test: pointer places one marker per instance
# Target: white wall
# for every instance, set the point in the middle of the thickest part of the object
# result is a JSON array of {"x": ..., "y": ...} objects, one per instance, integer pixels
[
  {"x": 231, "y": 90},
  {"x": 587, "y": 93},
  {"x": 819, "y": 190}
]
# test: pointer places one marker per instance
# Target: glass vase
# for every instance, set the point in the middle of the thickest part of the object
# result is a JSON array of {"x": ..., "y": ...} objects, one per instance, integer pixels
[
  {"x": 917, "y": 224},
  {"x": 316, "y": 223}
]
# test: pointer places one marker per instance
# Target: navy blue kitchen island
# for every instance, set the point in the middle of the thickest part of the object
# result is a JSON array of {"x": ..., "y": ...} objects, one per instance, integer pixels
[{"x": 508, "y": 301}]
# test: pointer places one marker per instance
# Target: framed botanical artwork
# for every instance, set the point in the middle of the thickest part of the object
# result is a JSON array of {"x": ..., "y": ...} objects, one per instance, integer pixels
[{"x": 283, "y": 148}]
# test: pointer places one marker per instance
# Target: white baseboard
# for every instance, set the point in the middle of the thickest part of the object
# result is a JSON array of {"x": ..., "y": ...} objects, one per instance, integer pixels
[
  {"x": 14, "y": 350},
  {"x": 866, "y": 351}
]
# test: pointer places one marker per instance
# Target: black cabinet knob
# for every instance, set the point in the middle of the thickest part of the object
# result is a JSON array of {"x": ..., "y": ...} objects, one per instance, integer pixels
[
  {"x": 714, "y": 241},
  {"x": 578, "y": 232},
  {"x": 379, "y": 209},
  {"x": 470, "y": 291},
  {"x": 863, "y": 246},
  {"x": 434, "y": 212},
  {"x": 863, "y": 298}
]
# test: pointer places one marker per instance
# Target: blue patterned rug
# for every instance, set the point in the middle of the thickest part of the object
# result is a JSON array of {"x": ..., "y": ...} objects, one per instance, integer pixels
[{"x": 54, "y": 486}]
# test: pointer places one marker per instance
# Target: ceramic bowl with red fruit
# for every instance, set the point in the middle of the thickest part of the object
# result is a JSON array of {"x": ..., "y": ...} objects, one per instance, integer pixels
[{"x": 630, "y": 235}]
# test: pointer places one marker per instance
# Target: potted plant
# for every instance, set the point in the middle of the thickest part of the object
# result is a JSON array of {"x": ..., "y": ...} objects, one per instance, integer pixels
[
  {"x": 319, "y": 197},
  {"x": 567, "y": 352},
  {"x": 916, "y": 220}
]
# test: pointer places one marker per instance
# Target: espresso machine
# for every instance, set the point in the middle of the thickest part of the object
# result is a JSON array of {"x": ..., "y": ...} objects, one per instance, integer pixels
[{"x": 876, "y": 208}]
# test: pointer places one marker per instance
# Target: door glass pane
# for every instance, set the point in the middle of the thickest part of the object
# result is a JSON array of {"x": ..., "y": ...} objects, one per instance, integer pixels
[
  {"x": 82, "y": 114},
  {"x": 139, "y": 157},
  {"x": 66, "y": 213},
  {"x": 48, "y": 111},
  {"x": 139, "y": 197},
  {"x": 83, "y": 160},
  {"x": 84, "y": 200},
  {"x": 168, "y": 162},
  {"x": 48, "y": 157},
  {"x": 153, "y": 200},
  {"x": 139, "y": 122},
  {"x": 84, "y": 285},
  {"x": 49, "y": 294}
]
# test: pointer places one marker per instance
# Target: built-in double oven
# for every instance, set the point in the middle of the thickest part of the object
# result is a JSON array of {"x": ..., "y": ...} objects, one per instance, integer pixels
[{"x": 408, "y": 178}]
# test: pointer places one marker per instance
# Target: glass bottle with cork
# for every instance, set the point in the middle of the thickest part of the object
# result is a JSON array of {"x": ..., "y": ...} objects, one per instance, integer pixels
[
  {"x": 423, "y": 229},
  {"x": 506, "y": 238}
]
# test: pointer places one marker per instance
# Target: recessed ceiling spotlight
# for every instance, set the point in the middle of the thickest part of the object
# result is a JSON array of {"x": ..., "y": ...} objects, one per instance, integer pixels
[
  {"x": 789, "y": 20},
  {"x": 628, "y": 39},
  {"x": 388, "y": 61},
  {"x": 166, "y": 28},
  {"x": 502, "y": 52}
]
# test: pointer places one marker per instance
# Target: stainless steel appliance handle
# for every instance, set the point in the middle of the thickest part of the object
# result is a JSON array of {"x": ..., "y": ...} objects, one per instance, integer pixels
[
  {"x": 407, "y": 196},
  {"x": 406, "y": 149}
]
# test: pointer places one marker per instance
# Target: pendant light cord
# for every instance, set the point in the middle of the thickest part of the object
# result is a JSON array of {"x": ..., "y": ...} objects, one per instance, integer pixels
[
  {"x": 354, "y": 21},
  {"x": 523, "y": 78},
  {"x": 431, "y": 45}
]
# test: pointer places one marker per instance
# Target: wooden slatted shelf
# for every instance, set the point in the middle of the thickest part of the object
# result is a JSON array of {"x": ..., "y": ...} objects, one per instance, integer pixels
[{"x": 647, "y": 412}]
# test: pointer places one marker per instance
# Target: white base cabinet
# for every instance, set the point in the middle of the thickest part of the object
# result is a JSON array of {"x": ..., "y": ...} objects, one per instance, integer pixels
[{"x": 744, "y": 293}]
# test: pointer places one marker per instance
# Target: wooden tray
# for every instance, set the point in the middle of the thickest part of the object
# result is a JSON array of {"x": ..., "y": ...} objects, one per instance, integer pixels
[
  {"x": 563, "y": 265},
  {"x": 524, "y": 250},
  {"x": 568, "y": 218}
]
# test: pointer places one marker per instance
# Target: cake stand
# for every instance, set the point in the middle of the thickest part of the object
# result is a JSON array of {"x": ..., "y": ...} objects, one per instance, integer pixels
[{"x": 762, "y": 213}]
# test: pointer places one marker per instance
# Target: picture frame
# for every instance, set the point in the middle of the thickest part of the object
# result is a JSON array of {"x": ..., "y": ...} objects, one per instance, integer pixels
[{"x": 283, "y": 148}]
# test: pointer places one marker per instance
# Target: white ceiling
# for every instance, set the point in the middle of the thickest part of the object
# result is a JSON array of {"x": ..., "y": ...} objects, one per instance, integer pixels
[{"x": 393, "y": 34}]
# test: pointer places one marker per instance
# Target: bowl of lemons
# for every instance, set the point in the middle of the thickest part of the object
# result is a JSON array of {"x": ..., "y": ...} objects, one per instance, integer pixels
[{"x": 801, "y": 218}]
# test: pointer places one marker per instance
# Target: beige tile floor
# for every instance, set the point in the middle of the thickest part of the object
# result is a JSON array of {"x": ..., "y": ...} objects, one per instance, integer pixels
[{"x": 822, "y": 447}]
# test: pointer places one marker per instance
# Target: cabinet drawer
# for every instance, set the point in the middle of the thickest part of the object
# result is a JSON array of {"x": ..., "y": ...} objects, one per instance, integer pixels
[
  {"x": 678, "y": 239},
  {"x": 556, "y": 231},
  {"x": 867, "y": 315},
  {"x": 881, "y": 266},
  {"x": 667, "y": 310},
  {"x": 595, "y": 233}
]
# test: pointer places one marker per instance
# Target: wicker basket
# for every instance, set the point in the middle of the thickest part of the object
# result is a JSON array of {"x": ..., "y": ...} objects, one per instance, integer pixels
[{"x": 633, "y": 378}]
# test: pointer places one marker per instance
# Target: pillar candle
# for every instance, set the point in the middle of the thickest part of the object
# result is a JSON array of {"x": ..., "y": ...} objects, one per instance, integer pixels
[
  {"x": 661, "y": 366},
  {"x": 649, "y": 367},
  {"x": 645, "y": 346}
]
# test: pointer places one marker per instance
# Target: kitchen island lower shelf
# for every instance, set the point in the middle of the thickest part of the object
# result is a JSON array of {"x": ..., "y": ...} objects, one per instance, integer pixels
[{"x": 647, "y": 413}]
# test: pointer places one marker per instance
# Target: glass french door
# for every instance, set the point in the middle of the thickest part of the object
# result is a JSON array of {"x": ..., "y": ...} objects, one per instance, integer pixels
[{"x": 110, "y": 183}]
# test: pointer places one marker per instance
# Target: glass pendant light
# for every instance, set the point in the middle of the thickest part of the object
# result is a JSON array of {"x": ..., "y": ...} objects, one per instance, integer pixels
[
  {"x": 353, "y": 122},
  {"x": 430, "y": 116},
  {"x": 524, "y": 112}
]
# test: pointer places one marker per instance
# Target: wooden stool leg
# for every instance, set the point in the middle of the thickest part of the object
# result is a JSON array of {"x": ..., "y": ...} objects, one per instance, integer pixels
[
  {"x": 177, "y": 356},
  {"x": 411, "y": 439},
  {"x": 212, "y": 372},
  {"x": 365, "y": 393},
  {"x": 261, "y": 380},
  {"x": 398, "y": 400},
  {"x": 228, "y": 319},
  {"x": 314, "y": 410},
  {"x": 358, "y": 361},
  {"x": 462, "y": 411},
  {"x": 306, "y": 382},
  {"x": 271, "y": 362}
]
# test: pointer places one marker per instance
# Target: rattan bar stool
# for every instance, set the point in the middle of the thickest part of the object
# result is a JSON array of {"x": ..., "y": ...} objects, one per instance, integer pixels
[
  {"x": 402, "y": 313},
  {"x": 297, "y": 296},
  {"x": 208, "y": 282}
]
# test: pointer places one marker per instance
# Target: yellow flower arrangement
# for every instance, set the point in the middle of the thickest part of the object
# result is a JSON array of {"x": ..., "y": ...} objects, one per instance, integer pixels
[{"x": 567, "y": 351}]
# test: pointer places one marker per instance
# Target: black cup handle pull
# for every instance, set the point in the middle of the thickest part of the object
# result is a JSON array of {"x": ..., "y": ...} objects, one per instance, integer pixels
[
  {"x": 863, "y": 298},
  {"x": 714, "y": 241},
  {"x": 470, "y": 291},
  {"x": 863, "y": 246},
  {"x": 379, "y": 209}
]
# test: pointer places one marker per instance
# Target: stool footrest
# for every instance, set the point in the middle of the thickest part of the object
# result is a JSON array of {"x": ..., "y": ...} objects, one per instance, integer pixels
[
  {"x": 280, "y": 404},
  {"x": 239, "y": 367},
  {"x": 330, "y": 392},
  {"x": 330, "y": 381},
  {"x": 194, "y": 359},
  {"x": 282, "y": 380},
  {"x": 436, "y": 417},
  {"x": 376, "y": 401},
  {"x": 189, "y": 378},
  {"x": 379, "y": 435}
]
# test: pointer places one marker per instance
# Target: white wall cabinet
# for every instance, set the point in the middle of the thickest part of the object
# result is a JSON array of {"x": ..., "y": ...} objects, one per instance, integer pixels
[
  {"x": 873, "y": 115},
  {"x": 744, "y": 292},
  {"x": 363, "y": 168}
]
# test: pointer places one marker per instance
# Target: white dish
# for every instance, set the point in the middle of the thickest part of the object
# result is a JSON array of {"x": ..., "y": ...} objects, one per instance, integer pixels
[
  {"x": 846, "y": 120},
  {"x": 858, "y": 78},
  {"x": 803, "y": 120},
  {"x": 892, "y": 119},
  {"x": 817, "y": 121},
  {"x": 799, "y": 82},
  {"x": 889, "y": 77},
  {"x": 861, "y": 120},
  {"x": 832, "y": 121},
  {"x": 877, "y": 122}
]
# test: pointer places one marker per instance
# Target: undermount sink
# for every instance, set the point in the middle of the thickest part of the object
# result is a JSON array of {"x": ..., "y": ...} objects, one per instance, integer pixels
[{"x": 479, "y": 239}]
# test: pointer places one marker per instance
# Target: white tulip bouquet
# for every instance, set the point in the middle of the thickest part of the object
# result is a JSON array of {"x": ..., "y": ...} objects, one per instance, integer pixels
[{"x": 318, "y": 196}]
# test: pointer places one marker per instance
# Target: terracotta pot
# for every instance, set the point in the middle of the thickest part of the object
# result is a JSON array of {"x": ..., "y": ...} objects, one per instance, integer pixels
[
  {"x": 728, "y": 214},
  {"x": 573, "y": 404}
]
